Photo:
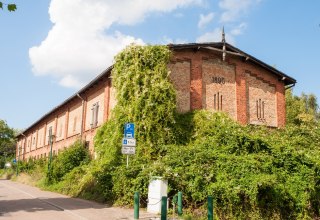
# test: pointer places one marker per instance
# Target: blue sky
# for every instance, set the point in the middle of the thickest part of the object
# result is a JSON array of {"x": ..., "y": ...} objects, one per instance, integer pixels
[{"x": 50, "y": 48}]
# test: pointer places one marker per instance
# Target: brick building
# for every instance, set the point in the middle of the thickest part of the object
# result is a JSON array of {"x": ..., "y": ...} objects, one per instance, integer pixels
[{"x": 213, "y": 76}]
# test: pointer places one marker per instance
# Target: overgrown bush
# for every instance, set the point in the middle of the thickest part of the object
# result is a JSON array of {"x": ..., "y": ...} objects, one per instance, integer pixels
[
  {"x": 253, "y": 172},
  {"x": 70, "y": 158}
]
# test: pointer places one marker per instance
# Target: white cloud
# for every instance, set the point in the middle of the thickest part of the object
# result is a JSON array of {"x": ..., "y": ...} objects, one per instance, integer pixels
[
  {"x": 231, "y": 12},
  {"x": 239, "y": 29},
  {"x": 168, "y": 40},
  {"x": 77, "y": 47},
  {"x": 215, "y": 36},
  {"x": 233, "y": 9},
  {"x": 205, "y": 19}
]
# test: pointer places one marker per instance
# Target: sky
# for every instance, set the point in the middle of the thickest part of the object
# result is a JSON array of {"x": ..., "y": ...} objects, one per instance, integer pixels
[{"x": 49, "y": 49}]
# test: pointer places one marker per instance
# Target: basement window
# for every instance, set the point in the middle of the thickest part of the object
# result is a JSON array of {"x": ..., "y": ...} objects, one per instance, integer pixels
[{"x": 94, "y": 115}]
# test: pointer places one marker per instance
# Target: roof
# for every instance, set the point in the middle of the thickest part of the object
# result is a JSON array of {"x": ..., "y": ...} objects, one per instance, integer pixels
[
  {"x": 233, "y": 50},
  {"x": 95, "y": 80},
  {"x": 212, "y": 45}
]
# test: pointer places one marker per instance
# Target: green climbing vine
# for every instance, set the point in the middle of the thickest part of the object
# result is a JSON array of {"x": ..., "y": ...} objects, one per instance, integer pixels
[{"x": 145, "y": 97}]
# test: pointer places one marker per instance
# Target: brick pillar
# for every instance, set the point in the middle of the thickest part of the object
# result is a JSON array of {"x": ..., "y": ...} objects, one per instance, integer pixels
[
  {"x": 55, "y": 129},
  {"x": 44, "y": 134},
  {"x": 196, "y": 82},
  {"x": 241, "y": 93},
  {"x": 66, "y": 124},
  {"x": 37, "y": 138},
  {"x": 84, "y": 115},
  {"x": 281, "y": 104},
  {"x": 106, "y": 100}
]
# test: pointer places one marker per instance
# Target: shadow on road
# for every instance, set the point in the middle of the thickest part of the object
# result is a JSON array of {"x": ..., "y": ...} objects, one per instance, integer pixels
[{"x": 44, "y": 204}]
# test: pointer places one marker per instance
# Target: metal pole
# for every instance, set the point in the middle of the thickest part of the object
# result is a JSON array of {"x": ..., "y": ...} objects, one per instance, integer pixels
[
  {"x": 180, "y": 204},
  {"x": 127, "y": 161},
  {"x": 210, "y": 208},
  {"x": 136, "y": 201},
  {"x": 164, "y": 208}
]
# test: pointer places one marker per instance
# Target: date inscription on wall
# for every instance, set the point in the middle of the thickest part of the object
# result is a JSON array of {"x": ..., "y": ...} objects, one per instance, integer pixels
[{"x": 218, "y": 80}]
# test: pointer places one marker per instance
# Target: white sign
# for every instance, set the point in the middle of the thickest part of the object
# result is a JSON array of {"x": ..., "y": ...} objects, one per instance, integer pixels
[
  {"x": 128, "y": 150},
  {"x": 128, "y": 142}
]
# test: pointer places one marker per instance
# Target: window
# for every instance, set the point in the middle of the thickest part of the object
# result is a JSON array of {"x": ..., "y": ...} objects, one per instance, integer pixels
[
  {"x": 260, "y": 110},
  {"x": 60, "y": 130},
  {"x": 94, "y": 114},
  {"x": 87, "y": 144},
  {"x": 34, "y": 140},
  {"x": 217, "y": 100},
  {"x": 74, "y": 123},
  {"x": 50, "y": 135}
]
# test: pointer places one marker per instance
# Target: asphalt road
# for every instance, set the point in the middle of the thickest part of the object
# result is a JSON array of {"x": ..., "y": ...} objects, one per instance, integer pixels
[{"x": 19, "y": 201}]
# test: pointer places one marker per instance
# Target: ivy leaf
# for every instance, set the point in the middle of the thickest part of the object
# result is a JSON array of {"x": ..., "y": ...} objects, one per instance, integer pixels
[
  {"x": 1, "y": 5},
  {"x": 12, "y": 7}
]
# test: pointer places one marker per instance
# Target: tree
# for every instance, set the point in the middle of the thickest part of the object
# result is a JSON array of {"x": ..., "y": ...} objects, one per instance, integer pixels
[
  {"x": 7, "y": 142},
  {"x": 302, "y": 108},
  {"x": 10, "y": 7}
]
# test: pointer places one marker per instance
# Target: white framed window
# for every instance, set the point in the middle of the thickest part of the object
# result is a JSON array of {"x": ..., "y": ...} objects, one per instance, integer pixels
[{"x": 94, "y": 114}]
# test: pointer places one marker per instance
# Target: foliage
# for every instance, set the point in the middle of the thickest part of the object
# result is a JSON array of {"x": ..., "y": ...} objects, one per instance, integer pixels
[
  {"x": 7, "y": 142},
  {"x": 145, "y": 97},
  {"x": 253, "y": 172},
  {"x": 72, "y": 157},
  {"x": 302, "y": 109},
  {"x": 10, "y": 7}
]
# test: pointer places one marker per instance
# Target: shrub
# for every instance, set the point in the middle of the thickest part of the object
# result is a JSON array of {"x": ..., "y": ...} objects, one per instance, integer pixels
[{"x": 67, "y": 160}]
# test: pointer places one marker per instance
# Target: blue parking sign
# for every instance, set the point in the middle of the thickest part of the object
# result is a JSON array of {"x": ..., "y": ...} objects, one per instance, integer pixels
[{"x": 129, "y": 130}]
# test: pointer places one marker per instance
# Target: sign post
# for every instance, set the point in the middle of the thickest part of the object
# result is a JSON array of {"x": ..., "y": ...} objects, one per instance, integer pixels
[{"x": 128, "y": 142}]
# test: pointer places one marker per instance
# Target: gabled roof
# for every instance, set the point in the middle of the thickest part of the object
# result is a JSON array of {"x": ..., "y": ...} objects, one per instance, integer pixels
[
  {"x": 106, "y": 72},
  {"x": 211, "y": 46},
  {"x": 218, "y": 46}
]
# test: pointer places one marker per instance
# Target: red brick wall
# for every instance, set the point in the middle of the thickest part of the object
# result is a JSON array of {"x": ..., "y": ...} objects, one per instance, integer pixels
[
  {"x": 62, "y": 122},
  {"x": 234, "y": 70},
  {"x": 180, "y": 78}
]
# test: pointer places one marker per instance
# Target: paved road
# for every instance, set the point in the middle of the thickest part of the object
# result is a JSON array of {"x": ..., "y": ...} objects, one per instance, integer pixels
[{"x": 19, "y": 201}]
